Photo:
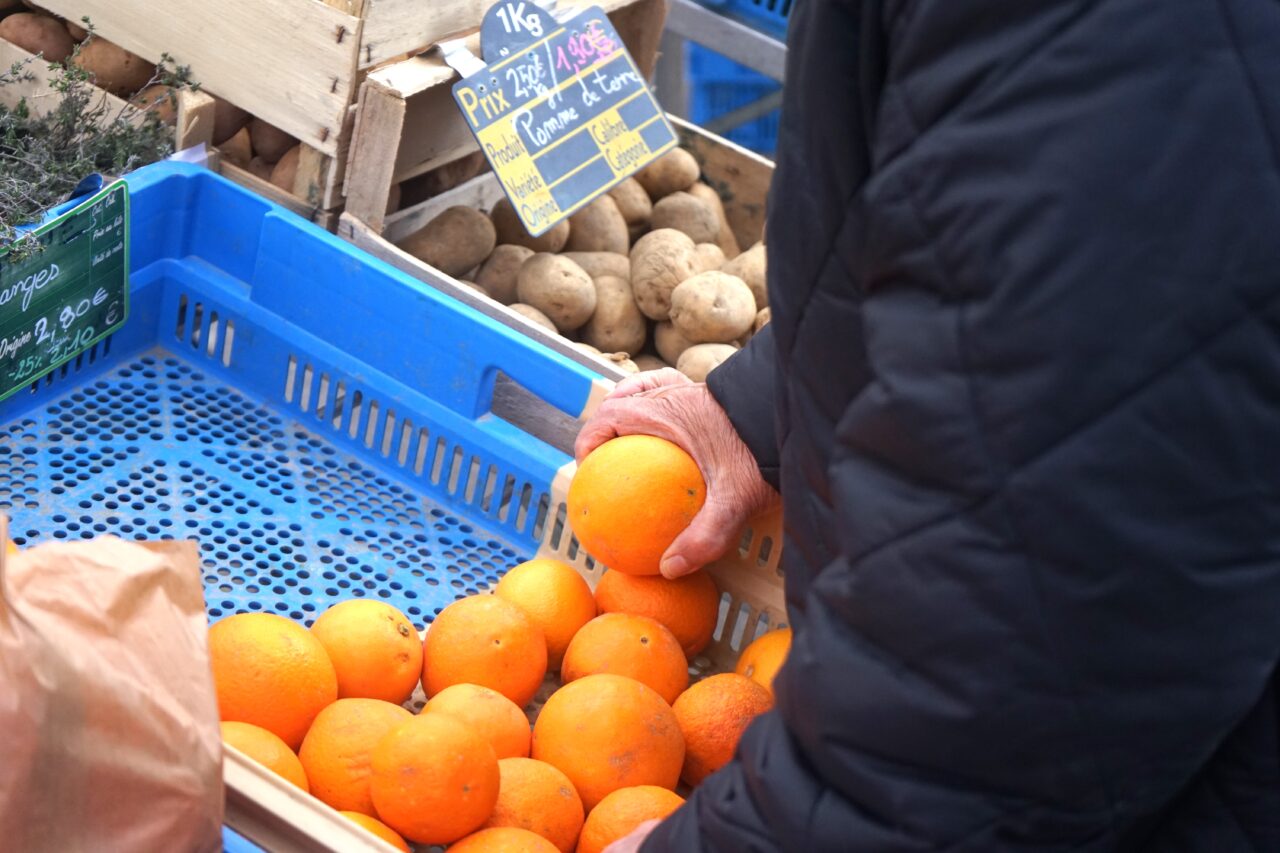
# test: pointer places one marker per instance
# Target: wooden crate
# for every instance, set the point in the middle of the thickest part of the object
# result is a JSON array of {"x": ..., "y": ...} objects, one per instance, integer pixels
[
  {"x": 740, "y": 176},
  {"x": 408, "y": 124}
]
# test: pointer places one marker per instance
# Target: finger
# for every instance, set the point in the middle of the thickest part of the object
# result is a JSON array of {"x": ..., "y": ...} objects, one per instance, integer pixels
[
  {"x": 647, "y": 381},
  {"x": 713, "y": 531},
  {"x": 594, "y": 433}
]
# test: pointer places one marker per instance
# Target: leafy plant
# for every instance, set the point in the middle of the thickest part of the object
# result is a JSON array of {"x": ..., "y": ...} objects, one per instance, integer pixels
[{"x": 45, "y": 153}]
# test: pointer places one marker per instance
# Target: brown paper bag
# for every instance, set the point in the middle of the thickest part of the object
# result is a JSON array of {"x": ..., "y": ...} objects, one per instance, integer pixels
[{"x": 109, "y": 735}]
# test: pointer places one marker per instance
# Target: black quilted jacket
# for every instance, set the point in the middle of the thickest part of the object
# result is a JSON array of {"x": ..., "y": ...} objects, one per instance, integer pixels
[{"x": 1021, "y": 396}]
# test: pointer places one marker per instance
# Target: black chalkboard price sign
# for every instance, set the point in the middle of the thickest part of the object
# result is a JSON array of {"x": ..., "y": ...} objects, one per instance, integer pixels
[
  {"x": 560, "y": 110},
  {"x": 58, "y": 302}
]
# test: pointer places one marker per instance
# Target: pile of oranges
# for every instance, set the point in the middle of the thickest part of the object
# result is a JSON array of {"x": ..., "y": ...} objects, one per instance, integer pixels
[{"x": 481, "y": 768}]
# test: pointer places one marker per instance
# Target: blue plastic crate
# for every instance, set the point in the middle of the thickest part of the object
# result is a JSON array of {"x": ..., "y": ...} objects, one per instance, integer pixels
[
  {"x": 769, "y": 16},
  {"x": 319, "y": 421},
  {"x": 718, "y": 85}
]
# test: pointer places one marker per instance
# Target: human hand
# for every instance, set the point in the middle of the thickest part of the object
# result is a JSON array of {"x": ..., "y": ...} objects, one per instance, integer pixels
[
  {"x": 631, "y": 842},
  {"x": 666, "y": 404}
]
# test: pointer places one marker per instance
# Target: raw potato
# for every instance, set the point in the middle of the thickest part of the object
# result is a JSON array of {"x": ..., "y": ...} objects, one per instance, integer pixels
[
  {"x": 512, "y": 230},
  {"x": 750, "y": 267},
  {"x": 710, "y": 257},
  {"x": 113, "y": 68},
  {"x": 699, "y": 360},
  {"x": 599, "y": 227},
  {"x": 228, "y": 120},
  {"x": 683, "y": 212},
  {"x": 763, "y": 316},
  {"x": 269, "y": 142},
  {"x": 617, "y": 324},
  {"x": 36, "y": 33},
  {"x": 260, "y": 168},
  {"x": 455, "y": 242},
  {"x": 498, "y": 273},
  {"x": 597, "y": 264},
  {"x": 633, "y": 203},
  {"x": 646, "y": 361},
  {"x": 531, "y": 313},
  {"x": 77, "y": 32},
  {"x": 621, "y": 361},
  {"x": 669, "y": 343},
  {"x": 672, "y": 172},
  {"x": 725, "y": 238},
  {"x": 661, "y": 260},
  {"x": 559, "y": 288},
  {"x": 713, "y": 307},
  {"x": 238, "y": 149},
  {"x": 160, "y": 100},
  {"x": 285, "y": 171}
]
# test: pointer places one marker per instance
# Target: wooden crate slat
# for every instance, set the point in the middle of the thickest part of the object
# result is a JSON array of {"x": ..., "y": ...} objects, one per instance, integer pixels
[
  {"x": 396, "y": 28},
  {"x": 291, "y": 62}
]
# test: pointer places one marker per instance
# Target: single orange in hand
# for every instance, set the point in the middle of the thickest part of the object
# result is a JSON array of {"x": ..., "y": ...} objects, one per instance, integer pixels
[
  {"x": 713, "y": 714},
  {"x": 271, "y": 672},
  {"x": 761, "y": 660},
  {"x": 335, "y": 752},
  {"x": 488, "y": 641},
  {"x": 689, "y": 606},
  {"x": 630, "y": 645},
  {"x": 434, "y": 780},
  {"x": 503, "y": 839},
  {"x": 379, "y": 829},
  {"x": 607, "y": 732},
  {"x": 630, "y": 499},
  {"x": 374, "y": 647},
  {"x": 266, "y": 749},
  {"x": 622, "y": 811},
  {"x": 490, "y": 714},
  {"x": 535, "y": 796},
  {"x": 555, "y": 597}
]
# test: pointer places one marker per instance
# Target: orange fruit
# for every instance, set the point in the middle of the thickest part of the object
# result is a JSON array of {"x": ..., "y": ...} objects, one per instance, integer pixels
[
  {"x": 378, "y": 828},
  {"x": 631, "y": 497},
  {"x": 554, "y": 596},
  {"x": 335, "y": 752},
  {"x": 490, "y": 714},
  {"x": 689, "y": 606},
  {"x": 434, "y": 780},
  {"x": 630, "y": 645},
  {"x": 267, "y": 749},
  {"x": 607, "y": 732},
  {"x": 622, "y": 811},
  {"x": 761, "y": 660},
  {"x": 503, "y": 839},
  {"x": 535, "y": 796},
  {"x": 713, "y": 714},
  {"x": 271, "y": 672},
  {"x": 374, "y": 648},
  {"x": 488, "y": 641}
]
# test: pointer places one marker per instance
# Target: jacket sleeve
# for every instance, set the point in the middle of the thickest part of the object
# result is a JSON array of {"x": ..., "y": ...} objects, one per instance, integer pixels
[{"x": 744, "y": 387}]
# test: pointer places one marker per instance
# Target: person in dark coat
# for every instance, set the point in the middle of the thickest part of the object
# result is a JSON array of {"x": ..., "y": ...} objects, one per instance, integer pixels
[{"x": 1021, "y": 400}]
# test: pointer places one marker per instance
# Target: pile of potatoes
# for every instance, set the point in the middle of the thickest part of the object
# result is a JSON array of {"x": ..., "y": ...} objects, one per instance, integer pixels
[{"x": 649, "y": 275}]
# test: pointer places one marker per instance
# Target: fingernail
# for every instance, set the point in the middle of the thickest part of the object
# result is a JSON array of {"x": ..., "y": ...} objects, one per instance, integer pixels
[{"x": 673, "y": 567}]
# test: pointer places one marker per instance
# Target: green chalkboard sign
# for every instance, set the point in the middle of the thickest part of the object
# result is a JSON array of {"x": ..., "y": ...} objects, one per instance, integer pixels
[{"x": 60, "y": 301}]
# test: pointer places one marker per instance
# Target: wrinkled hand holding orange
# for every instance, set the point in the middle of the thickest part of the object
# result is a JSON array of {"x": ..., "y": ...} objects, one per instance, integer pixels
[{"x": 323, "y": 707}]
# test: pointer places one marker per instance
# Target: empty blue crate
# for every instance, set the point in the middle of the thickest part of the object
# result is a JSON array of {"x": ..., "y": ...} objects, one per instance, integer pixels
[
  {"x": 323, "y": 424},
  {"x": 718, "y": 85}
]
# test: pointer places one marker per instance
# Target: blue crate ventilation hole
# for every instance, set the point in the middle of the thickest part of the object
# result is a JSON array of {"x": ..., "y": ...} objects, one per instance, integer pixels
[
  {"x": 718, "y": 85},
  {"x": 208, "y": 417}
]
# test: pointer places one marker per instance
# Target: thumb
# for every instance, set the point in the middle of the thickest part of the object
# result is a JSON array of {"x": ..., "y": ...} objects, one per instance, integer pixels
[{"x": 713, "y": 531}]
